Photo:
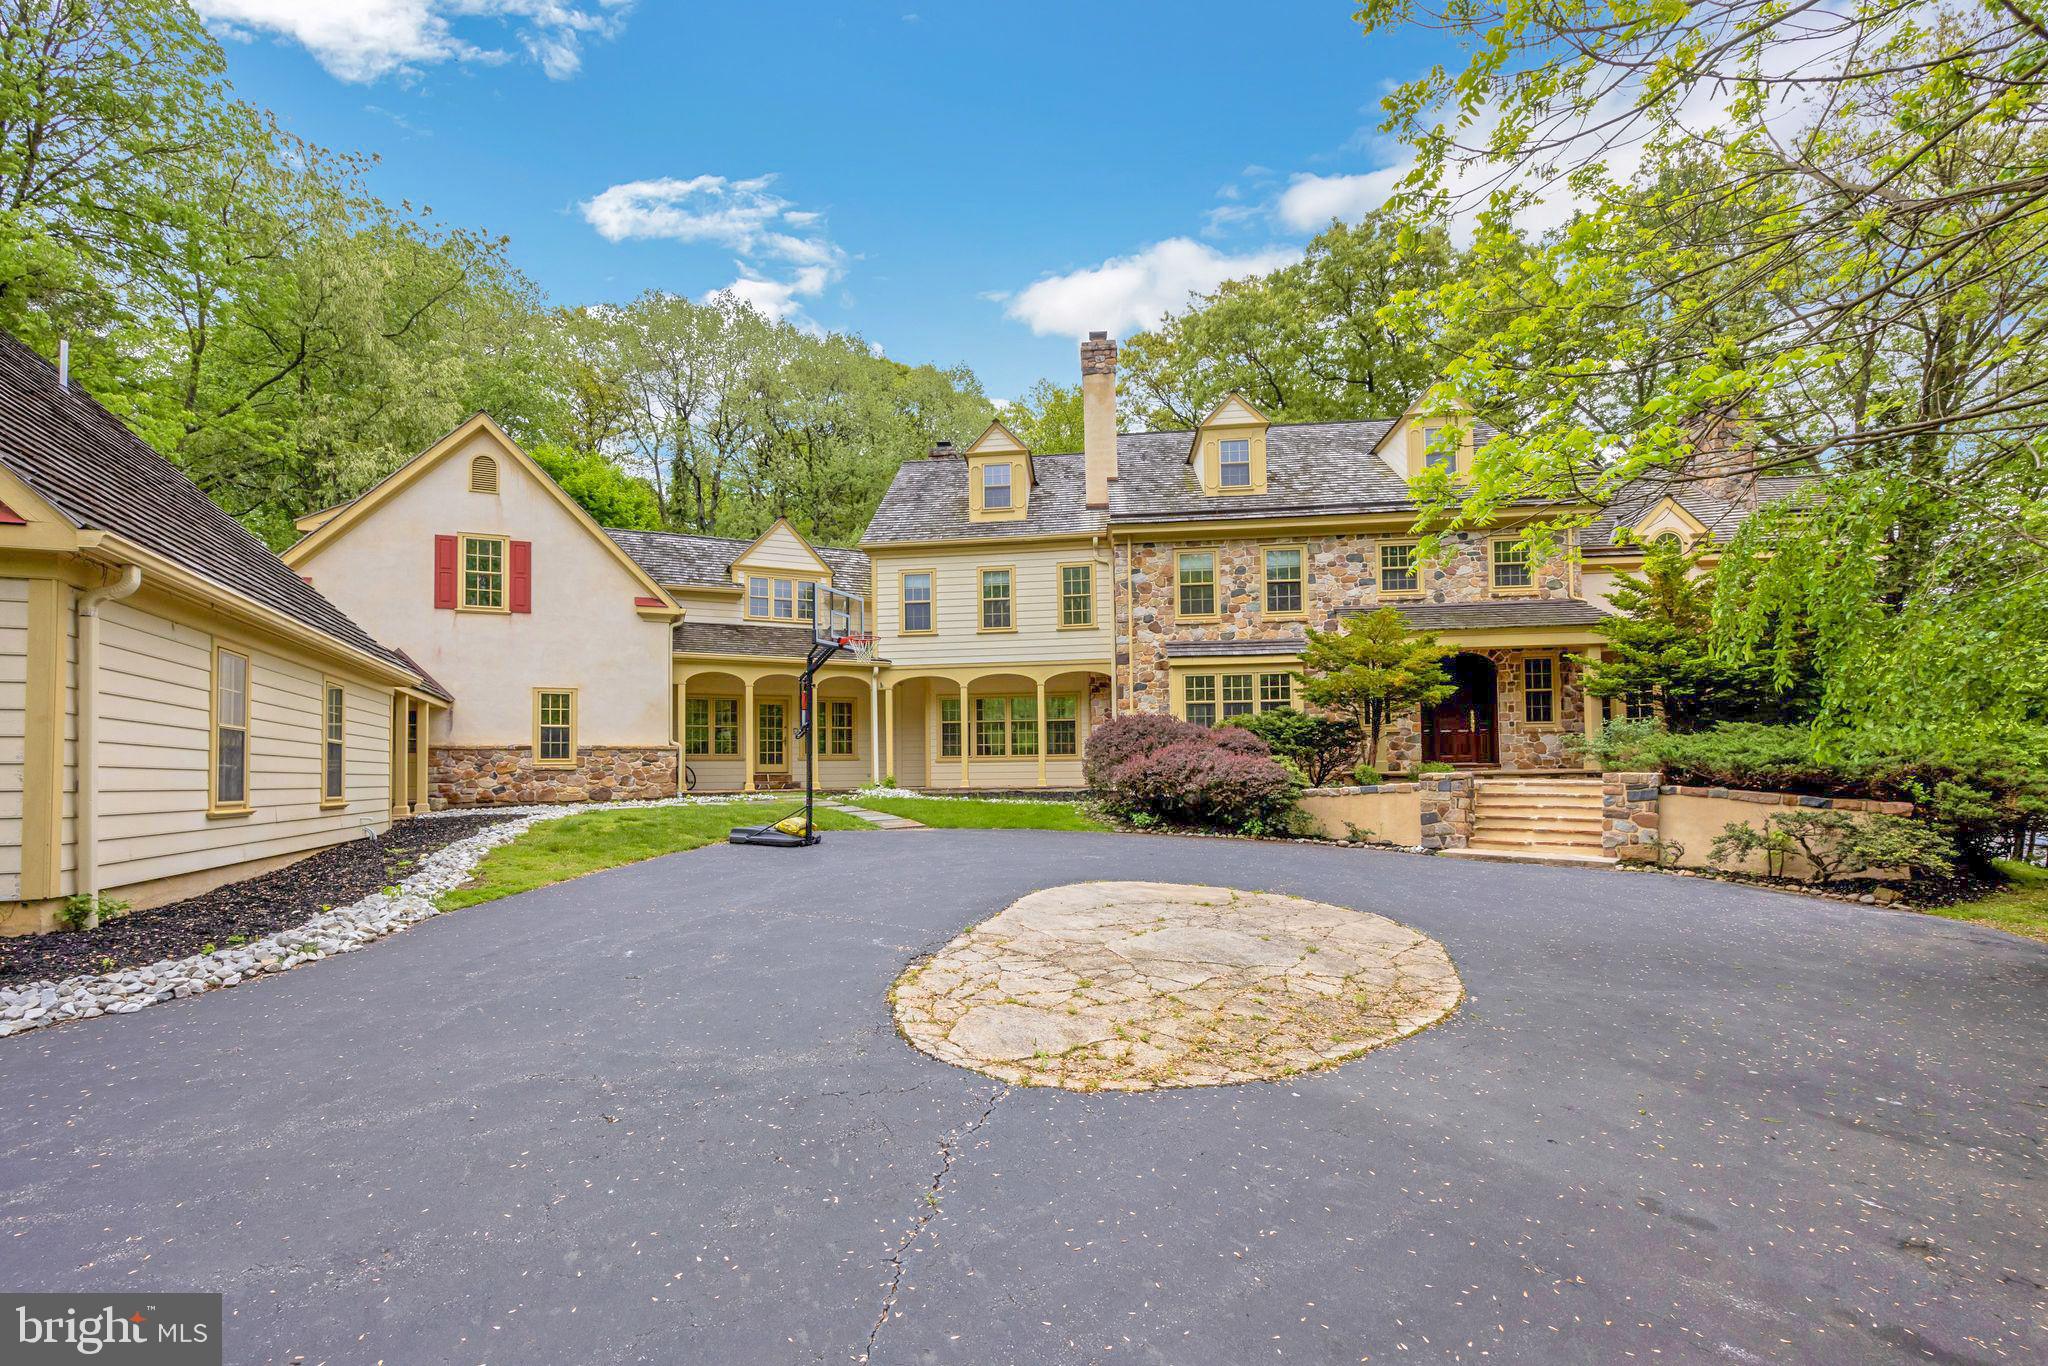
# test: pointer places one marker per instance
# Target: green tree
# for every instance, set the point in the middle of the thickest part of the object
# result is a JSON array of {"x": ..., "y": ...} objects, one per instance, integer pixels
[
  {"x": 1660, "y": 650},
  {"x": 609, "y": 494},
  {"x": 1373, "y": 669},
  {"x": 1047, "y": 418},
  {"x": 1321, "y": 746}
]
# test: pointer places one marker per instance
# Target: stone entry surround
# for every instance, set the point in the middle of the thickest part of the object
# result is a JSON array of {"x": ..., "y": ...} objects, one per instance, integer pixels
[
  {"x": 1132, "y": 986},
  {"x": 506, "y": 776}
]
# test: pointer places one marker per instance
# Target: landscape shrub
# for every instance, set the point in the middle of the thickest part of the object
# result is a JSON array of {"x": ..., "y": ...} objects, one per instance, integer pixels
[
  {"x": 1323, "y": 746},
  {"x": 1838, "y": 844},
  {"x": 1365, "y": 775},
  {"x": 1159, "y": 770}
]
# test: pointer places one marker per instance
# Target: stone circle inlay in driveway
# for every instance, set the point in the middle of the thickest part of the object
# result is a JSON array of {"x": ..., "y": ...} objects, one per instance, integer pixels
[{"x": 1135, "y": 985}]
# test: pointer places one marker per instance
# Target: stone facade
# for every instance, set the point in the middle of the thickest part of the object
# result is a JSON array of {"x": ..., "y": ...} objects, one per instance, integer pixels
[
  {"x": 1447, "y": 811},
  {"x": 506, "y": 776},
  {"x": 1628, "y": 803}
]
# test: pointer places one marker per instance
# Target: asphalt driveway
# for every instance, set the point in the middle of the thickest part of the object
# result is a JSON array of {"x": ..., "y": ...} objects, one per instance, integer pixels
[{"x": 661, "y": 1115}]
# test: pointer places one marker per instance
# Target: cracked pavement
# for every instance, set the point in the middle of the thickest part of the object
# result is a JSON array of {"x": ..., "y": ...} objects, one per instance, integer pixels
[{"x": 662, "y": 1114}]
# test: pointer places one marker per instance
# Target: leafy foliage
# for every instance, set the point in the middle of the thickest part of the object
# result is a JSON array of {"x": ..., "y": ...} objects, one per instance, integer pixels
[
  {"x": 1047, "y": 418},
  {"x": 1836, "y": 844},
  {"x": 605, "y": 491},
  {"x": 1152, "y": 769},
  {"x": 1373, "y": 669},
  {"x": 1322, "y": 746}
]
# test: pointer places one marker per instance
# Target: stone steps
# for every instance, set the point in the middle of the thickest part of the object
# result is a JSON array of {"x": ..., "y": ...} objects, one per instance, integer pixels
[{"x": 1538, "y": 819}]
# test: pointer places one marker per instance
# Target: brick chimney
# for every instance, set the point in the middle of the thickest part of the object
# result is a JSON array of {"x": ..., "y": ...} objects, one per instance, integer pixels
[
  {"x": 1098, "y": 415},
  {"x": 1723, "y": 459}
]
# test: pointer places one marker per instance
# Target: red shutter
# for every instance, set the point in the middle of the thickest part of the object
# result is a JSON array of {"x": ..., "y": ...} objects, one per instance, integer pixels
[
  {"x": 444, "y": 572},
  {"x": 522, "y": 576}
]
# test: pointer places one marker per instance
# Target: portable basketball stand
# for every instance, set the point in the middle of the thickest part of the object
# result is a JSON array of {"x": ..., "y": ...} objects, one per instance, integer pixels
[{"x": 836, "y": 619}]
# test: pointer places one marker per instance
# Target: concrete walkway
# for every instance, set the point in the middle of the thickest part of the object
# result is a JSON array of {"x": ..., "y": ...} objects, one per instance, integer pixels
[
  {"x": 882, "y": 820},
  {"x": 663, "y": 1114}
]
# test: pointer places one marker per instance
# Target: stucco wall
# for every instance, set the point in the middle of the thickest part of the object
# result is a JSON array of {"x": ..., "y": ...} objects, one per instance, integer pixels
[
  {"x": 583, "y": 632},
  {"x": 1693, "y": 820},
  {"x": 1387, "y": 815}
]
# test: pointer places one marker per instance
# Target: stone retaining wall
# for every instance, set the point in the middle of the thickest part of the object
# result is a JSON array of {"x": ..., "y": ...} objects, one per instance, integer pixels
[
  {"x": 1628, "y": 805},
  {"x": 506, "y": 776},
  {"x": 1446, "y": 811},
  {"x": 1691, "y": 818}
]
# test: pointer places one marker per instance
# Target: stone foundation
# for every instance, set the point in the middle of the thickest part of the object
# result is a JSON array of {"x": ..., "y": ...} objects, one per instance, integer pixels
[
  {"x": 1446, "y": 811},
  {"x": 505, "y": 775},
  {"x": 1628, "y": 807}
]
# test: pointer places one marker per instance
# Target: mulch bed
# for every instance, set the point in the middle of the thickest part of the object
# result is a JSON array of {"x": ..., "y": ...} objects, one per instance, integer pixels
[{"x": 251, "y": 909}]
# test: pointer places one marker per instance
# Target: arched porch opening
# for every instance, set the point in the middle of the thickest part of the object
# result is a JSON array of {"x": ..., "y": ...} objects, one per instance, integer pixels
[{"x": 994, "y": 729}]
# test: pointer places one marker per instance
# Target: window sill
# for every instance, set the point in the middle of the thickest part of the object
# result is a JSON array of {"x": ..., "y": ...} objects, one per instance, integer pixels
[
  {"x": 995, "y": 630},
  {"x": 1516, "y": 592},
  {"x": 554, "y": 763},
  {"x": 1197, "y": 621},
  {"x": 486, "y": 611},
  {"x": 1405, "y": 595},
  {"x": 334, "y": 803},
  {"x": 1078, "y": 626},
  {"x": 229, "y": 813},
  {"x": 917, "y": 633},
  {"x": 1284, "y": 616}
]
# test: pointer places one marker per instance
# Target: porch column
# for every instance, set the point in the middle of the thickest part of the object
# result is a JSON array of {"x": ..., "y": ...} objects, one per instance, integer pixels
[
  {"x": 1588, "y": 708},
  {"x": 398, "y": 804},
  {"x": 875, "y": 726},
  {"x": 747, "y": 752},
  {"x": 889, "y": 724},
  {"x": 421, "y": 801},
  {"x": 966, "y": 735},
  {"x": 1041, "y": 732},
  {"x": 681, "y": 702}
]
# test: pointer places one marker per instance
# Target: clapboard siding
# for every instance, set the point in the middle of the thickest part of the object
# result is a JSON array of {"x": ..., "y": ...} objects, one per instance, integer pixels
[
  {"x": 154, "y": 709},
  {"x": 13, "y": 708}
]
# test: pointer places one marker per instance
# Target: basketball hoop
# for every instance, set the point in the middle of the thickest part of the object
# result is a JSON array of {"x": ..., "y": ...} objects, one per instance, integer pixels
[{"x": 859, "y": 644}]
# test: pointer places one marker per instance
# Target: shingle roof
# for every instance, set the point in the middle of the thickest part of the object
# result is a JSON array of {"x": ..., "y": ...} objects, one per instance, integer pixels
[
  {"x": 749, "y": 639},
  {"x": 1314, "y": 468},
  {"x": 77, "y": 456},
  {"x": 1721, "y": 517},
  {"x": 1480, "y": 616},
  {"x": 681, "y": 559},
  {"x": 428, "y": 683},
  {"x": 1267, "y": 645}
]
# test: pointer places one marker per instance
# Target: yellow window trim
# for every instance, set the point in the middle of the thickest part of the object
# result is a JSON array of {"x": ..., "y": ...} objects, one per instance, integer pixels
[
  {"x": 1556, "y": 721},
  {"x": 823, "y": 705},
  {"x": 483, "y": 473},
  {"x": 1530, "y": 590},
  {"x": 1302, "y": 613},
  {"x": 1215, "y": 554},
  {"x": 1212, "y": 460},
  {"x": 214, "y": 805},
  {"x": 328, "y": 803},
  {"x": 1059, "y": 574},
  {"x": 903, "y": 597},
  {"x": 747, "y": 598},
  {"x": 462, "y": 541},
  {"x": 1020, "y": 488},
  {"x": 574, "y": 728},
  {"x": 1379, "y": 575},
  {"x": 711, "y": 699},
  {"x": 981, "y": 599},
  {"x": 1217, "y": 670}
]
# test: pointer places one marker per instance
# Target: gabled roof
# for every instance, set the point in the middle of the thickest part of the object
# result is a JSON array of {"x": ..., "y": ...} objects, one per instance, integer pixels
[
  {"x": 332, "y": 529},
  {"x": 93, "y": 471},
  {"x": 1229, "y": 400},
  {"x": 927, "y": 501},
  {"x": 1720, "y": 517},
  {"x": 752, "y": 640},
  {"x": 679, "y": 559},
  {"x": 982, "y": 445}
]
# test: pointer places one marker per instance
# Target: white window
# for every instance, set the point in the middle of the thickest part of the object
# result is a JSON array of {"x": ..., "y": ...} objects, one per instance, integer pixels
[
  {"x": 917, "y": 602},
  {"x": 995, "y": 600},
  {"x": 332, "y": 749},
  {"x": 230, "y": 729},
  {"x": 995, "y": 486},
  {"x": 1234, "y": 458},
  {"x": 757, "y": 596},
  {"x": 1445, "y": 459}
]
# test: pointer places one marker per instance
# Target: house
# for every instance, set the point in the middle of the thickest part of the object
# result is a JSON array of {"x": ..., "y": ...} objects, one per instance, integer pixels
[{"x": 177, "y": 708}]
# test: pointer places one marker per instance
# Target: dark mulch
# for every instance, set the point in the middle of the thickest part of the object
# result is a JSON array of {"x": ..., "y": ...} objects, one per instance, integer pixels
[{"x": 252, "y": 909}]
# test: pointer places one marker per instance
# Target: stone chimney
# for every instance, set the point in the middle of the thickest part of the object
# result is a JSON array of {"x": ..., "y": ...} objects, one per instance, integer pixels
[
  {"x": 1098, "y": 415},
  {"x": 941, "y": 450},
  {"x": 1723, "y": 459}
]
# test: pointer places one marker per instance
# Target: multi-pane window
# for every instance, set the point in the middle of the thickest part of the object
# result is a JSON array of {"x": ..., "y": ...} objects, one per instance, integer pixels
[
  {"x": 1234, "y": 467},
  {"x": 1444, "y": 457},
  {"x": 1062, "y": 725},
  {"x": 697, "y": 726},
  {"x": 1195, "y": 576},
  {"x": 991, "y": 727},
  {"x": 230, "y": 729},
  {"x": 773, "y": 599},
  {"x": 771, "y": 744},
  {"x": 1024, "y": 726},
  {"x": 995, "y": 486},
  {"x": 1237, "y": 695},
  {"x": 711, "y": 725},
  {"x": 1511, "y": 565},
  {"x": 332, "y": 744},
  {"x": 554, "y": 728},
  {"x": 483, "y": 572},
  {"x": 785, "y": 600},
  {"x": 1640, "y": 706},
  {"x": 949, "y": 728},
  {"x": 1283, "y": 581},
  {"x": 838, "y": 728},
  {"x": 1077, "y": 595},
  {"x": 1399, "y": 570},
  {"x": 995, "y": 600},
  {"x": 1539, "y": 690},
  {"x": 807, "y": 601},
  {"x": 757, "y": 596},
  {"x": 1208, "y": 698},
  {"x": 917, "y": 602}
]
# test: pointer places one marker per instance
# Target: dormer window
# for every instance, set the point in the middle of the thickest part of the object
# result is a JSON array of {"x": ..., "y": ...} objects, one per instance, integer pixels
[
  {"x": 995, "y": 486},
  {"x": 1439, "y": 457},
  {"x": 1234, "y": 463}
]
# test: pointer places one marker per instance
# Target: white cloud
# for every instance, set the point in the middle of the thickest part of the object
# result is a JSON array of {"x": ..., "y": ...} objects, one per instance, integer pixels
[
  {"x": 743, "y": 216},
  {"x": 363, "y": 40},
  {"x": 1127, "y": 293}
]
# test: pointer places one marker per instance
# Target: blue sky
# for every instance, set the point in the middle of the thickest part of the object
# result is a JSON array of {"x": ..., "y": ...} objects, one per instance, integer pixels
[{"x": 956, "y": 182}]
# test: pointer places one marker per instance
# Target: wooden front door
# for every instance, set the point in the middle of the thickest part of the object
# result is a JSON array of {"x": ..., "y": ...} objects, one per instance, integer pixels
[
  {"x": 1460, "y": 729},
  {"x": 771, "y": 737}
]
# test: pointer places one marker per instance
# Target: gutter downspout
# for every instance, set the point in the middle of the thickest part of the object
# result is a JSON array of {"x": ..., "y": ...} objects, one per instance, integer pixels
[{"x": 88, "y": 729}]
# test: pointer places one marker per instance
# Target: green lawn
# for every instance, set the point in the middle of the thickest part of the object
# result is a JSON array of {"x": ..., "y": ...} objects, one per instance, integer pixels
[
  {"x": 967, "y": 813},
  {"x": 2022, "y": 909},
  {"x": 558, "y": 850}
]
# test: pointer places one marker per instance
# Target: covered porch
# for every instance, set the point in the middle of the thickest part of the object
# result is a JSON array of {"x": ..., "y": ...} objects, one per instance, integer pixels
[
  {"x": 1520, "y": 691},
  {"x": 996, "y": 728}
]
